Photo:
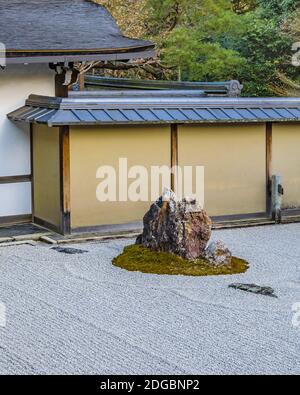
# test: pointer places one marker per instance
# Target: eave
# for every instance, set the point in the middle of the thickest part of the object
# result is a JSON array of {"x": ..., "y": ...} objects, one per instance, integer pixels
[
  {"x": 21, "y": 57},
  {"x": 168, "y": 107}
]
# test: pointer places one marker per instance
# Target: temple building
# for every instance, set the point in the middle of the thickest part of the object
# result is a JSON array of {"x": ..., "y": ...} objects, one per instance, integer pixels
[
  {"x": 53, "y": 139},
  {"x": 43, "y": 39}
]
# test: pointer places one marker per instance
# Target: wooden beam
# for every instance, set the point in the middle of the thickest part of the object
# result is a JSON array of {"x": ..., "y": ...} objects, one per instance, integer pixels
[
  {"x": 269, "y": 169},
  {"x": 15, "y": 179},
  {"x": 65, "y": 206},
  {"x": 174, "y": 156},
  {"x": 15, "y": 219}
]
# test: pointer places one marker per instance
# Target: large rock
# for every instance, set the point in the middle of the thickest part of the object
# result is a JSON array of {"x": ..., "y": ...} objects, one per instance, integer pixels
[
  {"x": 179, "y": 227},
  {"x": 256, "y": 289},
  {"x": 217, "y": 254}
]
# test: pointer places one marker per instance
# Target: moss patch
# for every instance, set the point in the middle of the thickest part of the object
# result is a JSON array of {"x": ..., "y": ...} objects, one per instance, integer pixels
[{"x": 136, "y": 258}]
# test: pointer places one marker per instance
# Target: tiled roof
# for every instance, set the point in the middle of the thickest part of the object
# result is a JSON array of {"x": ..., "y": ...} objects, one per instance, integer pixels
[
  {"x": 138, "y": 107},
  {"x": 35, "y": 28}
]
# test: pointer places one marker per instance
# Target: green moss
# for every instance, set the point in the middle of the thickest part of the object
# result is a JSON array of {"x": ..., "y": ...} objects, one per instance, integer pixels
[{"x": 136, "y": 258}]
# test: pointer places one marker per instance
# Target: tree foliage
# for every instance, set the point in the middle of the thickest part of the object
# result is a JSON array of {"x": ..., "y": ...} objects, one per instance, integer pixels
[
  {"x": 249, "y": 40},
  {"x": 242, "y": 6},
  {"x": 278, "y": 9},
  {"x": 131, "y": 15}
]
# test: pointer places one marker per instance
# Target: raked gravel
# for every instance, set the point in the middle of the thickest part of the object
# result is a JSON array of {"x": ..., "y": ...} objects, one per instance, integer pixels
[{"x": 77, "y": 314}]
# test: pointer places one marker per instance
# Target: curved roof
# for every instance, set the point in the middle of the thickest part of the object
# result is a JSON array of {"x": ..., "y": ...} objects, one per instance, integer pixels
[{"x": 64, "y": 30}]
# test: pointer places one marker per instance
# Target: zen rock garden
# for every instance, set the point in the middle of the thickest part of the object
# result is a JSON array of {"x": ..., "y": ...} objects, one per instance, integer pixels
[{"x": 175, "y": 240}]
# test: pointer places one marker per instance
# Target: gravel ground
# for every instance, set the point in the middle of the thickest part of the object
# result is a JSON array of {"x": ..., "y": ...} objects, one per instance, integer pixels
[{"x": 77, "y": 314}]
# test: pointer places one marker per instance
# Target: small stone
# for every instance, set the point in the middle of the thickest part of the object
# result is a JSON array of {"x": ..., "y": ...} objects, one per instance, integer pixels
[
  {"x": 217, "y": 254},
  {"x": 67, "y": 250},
  {"x": 256, "y": 289},
  {"x": 180, "y": 227}
]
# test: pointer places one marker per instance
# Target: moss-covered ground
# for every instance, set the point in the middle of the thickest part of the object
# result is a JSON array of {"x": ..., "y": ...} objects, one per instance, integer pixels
[{"x": 136, "y": 258}]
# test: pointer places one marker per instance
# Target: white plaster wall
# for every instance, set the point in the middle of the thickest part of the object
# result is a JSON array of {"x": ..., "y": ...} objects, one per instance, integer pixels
[
  {"x": 15, "y": 199},
  {"x": 17, "y": 82}
]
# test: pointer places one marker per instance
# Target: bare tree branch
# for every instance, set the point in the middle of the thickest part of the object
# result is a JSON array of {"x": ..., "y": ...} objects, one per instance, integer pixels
[{"x": 152, "y": 67}]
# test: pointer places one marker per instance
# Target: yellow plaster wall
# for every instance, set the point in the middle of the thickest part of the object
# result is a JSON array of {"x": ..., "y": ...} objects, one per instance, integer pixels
[
  {"x": 92, "y": 147},
  {"x": 235, "y": 167},
  {"x": 46, "y": 174},
  {"x": 286, "y": 161}
]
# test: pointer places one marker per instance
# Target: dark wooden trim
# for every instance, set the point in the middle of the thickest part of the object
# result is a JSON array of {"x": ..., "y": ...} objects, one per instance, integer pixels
[
  {"x": 290, "y": 220},
  {"x": 131, "y": 227},
  {"x": 45, "y": 224},
  {"x": 15, "y": 219},
  {"x": 290, "y": 216},
  {"x": 269, "y": 170},
  {"x": 219, "y": 222},
  {"x": 78, "y": 57},
  {"x": 61, "y": 90},
  {"x": 15, "y": 179},
  {"x": 135, "y": 227},
  {"x": 65, "y": 201},
  {"x": 239, "y": 217},
  {"x": 291, "y": 212},
  {"x": 174, "y": 155},
  {"x": 32, "y": 170},
  {"x": 66, "y": 53}
]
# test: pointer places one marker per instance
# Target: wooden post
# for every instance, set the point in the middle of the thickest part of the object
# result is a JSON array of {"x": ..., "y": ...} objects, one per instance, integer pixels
[
  {"x": 277, "y": 193},
  {"x": 269, "y": 139},
  {"x": 81, "y": 82},
  {"x": 64, "y": 79},
  {"x": 65, "y": 206},
  {"x": 61, "y": 90},
  {"x": 31, "y": 172},
  {"x": 174, "y": 157}
]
